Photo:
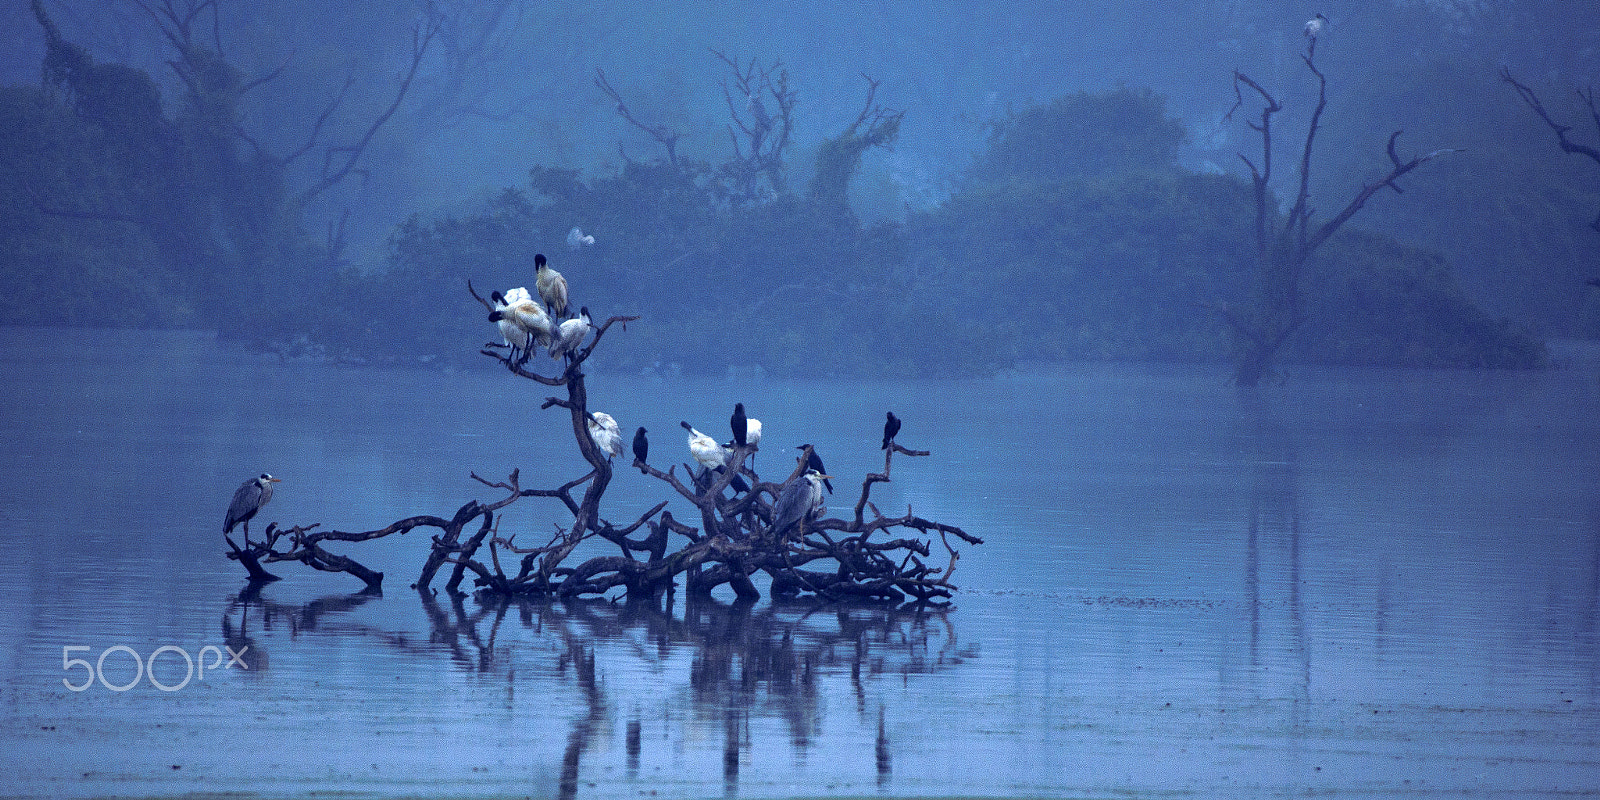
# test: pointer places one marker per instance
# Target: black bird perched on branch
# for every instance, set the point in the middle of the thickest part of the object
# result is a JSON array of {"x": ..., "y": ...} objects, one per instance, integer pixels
[
  {"x": 247, "y": 500},
  {"x": 746, "y": 430},
  {"x": 641, "y": 446},
  {"x": 798, "y": 501},
  {"x": 814, "y": 463},
  {"x": 740, "y": 423},
  {"x": 890, "y": 428}
]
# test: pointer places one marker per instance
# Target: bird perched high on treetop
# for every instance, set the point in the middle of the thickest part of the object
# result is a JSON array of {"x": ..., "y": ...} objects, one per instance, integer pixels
[
  {"x": 552, "y": 287},
  {"x": 891, "y": 426},
  {"x": 1315, "y": 25}
]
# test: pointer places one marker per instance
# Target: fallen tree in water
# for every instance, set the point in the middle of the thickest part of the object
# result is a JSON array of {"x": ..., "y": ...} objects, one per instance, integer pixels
[{"x": 740, "y": 532}]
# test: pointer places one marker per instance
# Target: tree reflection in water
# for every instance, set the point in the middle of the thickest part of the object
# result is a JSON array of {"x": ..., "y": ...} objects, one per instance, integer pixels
[{"x": 745, "y": 662}]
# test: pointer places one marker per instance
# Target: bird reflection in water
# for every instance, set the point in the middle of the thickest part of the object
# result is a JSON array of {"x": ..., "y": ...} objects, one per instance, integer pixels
[{"x": 744, "y": 663}]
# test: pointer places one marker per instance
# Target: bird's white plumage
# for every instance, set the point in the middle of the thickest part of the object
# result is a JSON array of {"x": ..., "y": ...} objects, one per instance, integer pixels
[
  {"x": 1315, "y": 25},
  {"x": 552, "y": 289},
  {"x": 705, "y": 449},
  {"x": 752, "y": 433},
  {"x": 606, "y": 433},
  {"x": 514, "y": 335},
  {"x": 531, "y": 319},
  {"x": 577, "y": 240},
  {"x": 570, "y": 334}
]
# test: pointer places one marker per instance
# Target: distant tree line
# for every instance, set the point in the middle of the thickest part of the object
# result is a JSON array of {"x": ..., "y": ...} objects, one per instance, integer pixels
[{"x": 1075, "y": 235}]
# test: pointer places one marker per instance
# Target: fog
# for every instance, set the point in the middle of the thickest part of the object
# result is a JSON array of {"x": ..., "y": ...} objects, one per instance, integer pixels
[
  {"x": 504, "y": 87},
  {"x": 510, "y": 84}
]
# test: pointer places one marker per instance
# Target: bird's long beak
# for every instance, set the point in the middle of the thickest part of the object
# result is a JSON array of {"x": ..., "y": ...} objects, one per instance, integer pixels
[
  {"x": 276, "y": 480},
  {"x": 824, "y": 477}
]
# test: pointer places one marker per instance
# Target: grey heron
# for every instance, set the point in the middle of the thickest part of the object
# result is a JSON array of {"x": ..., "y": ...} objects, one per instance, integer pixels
[
  {"x": 891, "y": 426},
  {"x": 605, "y": 433},
  {"x": 552, "y": 286},
  {"x": 798, "y": 502},
  {"x": 247, "y": 500}
]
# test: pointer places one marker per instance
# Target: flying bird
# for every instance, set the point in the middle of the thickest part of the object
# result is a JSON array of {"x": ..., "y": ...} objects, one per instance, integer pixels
[
  {"x": 798, "y": 502},
  {"x": 605, "y": 433},
  {"x": 1315, "y": 25},
  {"x": 641, "y": 446},
  {"x": 891, "y": 426},
  {"x": 247, "y": 500},
  {"x": 552, "y": 287},
  {"x": 569, "y": 335},
  {"x": 576, "y": 240}
]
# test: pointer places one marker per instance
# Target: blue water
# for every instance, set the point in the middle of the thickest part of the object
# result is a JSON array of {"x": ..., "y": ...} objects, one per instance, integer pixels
[{"x": 1359, "y": 583}]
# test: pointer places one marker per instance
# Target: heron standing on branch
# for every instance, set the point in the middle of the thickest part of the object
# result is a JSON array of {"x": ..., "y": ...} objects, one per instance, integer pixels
[
  {"x": 798, "y": 502},
  {"x": 247, "y": 500}
]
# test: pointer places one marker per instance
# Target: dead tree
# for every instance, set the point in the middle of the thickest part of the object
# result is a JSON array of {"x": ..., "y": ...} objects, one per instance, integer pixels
[
  {"x": 735, "y": 538},
  {"x": 1284, "y": 245},
  {"x": 1566, "y": 143},
  {"x": 759, "y": 136},
  {"x": 661, "y": 133}
]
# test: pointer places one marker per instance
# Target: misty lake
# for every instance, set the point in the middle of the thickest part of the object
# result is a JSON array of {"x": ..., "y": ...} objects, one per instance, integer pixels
[{"x": 1358, "y": 583}]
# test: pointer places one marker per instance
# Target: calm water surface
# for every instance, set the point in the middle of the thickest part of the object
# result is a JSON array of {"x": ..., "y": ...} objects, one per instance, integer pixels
[{"x": 1356, "y": 584}]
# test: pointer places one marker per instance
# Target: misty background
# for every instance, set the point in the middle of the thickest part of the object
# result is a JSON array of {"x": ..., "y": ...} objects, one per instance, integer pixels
[{"x": 503, "y": 141}]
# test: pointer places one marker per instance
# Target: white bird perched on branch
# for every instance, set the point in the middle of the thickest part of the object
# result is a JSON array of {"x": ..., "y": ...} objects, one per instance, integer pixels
[
  {"x": 570, "y": 334},
  {"x": 714, "y": 457},
  {"x": 798, "y": 502},
  {"x": 605, "y": 432},
  {"x": 1315, "y": 25},
  {"x": 552, "y": 286},
  {"x": 705, "y": 449},
  {"x": 576, "y": 239},
  {"x": 247, "y": 500},
  {"x": 522, "y": 322}
]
